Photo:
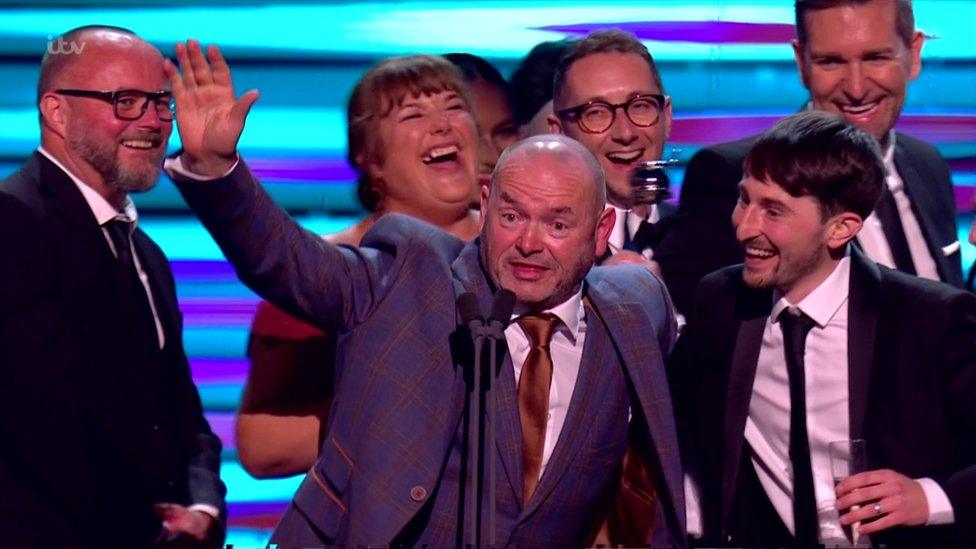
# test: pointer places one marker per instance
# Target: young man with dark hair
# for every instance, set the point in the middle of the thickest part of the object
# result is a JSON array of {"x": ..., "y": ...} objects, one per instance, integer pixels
[
  {"x": 809, "y": 342},
  {"x": 856, "y": 57}
]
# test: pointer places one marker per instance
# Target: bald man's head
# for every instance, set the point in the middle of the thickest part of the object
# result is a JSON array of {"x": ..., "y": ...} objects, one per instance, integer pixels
[
  {"x": 80, "y": 127},
  {"x": 69, "y": 49},
  {"x": 544, "y": 219},
  {"x": 560, "y": 149}
]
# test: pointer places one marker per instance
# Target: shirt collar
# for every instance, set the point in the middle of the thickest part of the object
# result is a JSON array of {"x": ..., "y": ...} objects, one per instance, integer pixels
[
  {"x": 825, "y": 300},
  {"x": 102, "y": 210},
  {"x": 889, "y": 152},
  {"x": 570, "y": 312}
]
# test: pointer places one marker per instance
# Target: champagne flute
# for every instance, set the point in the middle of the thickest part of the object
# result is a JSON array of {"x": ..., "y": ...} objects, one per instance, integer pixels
[{"x": 848, "y": 457}]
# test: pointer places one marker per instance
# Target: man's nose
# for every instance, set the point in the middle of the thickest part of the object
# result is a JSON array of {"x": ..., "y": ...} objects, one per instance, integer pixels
[
  {"x": 530, "y": 240},
  {"x": 622, "y": 130},
  {"x": 745, "y": 219},
  {"x": 855, "y": 82}
]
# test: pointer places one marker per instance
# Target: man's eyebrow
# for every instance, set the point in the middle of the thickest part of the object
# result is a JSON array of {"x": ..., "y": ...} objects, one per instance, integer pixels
[
  {"x": 505, "y": 197},
  {"x": 766, "y": 201}
]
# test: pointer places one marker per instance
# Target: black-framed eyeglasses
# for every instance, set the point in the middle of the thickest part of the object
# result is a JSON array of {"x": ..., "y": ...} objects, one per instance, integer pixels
[
  {"x": 597, "y": 116},
  {"x": 131, "y": 104}
]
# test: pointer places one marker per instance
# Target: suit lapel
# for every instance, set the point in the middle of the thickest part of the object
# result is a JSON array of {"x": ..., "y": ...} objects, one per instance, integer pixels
[
  {"x": 509, "y": 433},
  {"x": 584, "y": 404},
  {"x": 917, "y": 188},
  {"x": 627, "y": 326},
  {"x": 752, "y": 310},
  {"x": 863, "y": 321},
  {"x": 161, "y": 285},
  {"x": 69, "y": 204}
]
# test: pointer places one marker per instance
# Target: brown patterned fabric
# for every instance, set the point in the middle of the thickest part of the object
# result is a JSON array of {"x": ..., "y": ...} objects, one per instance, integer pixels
[{"x": 533, "y": 396}]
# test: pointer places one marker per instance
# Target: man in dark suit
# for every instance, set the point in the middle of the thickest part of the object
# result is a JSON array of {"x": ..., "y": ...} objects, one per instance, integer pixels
[
  {"x": 582, "y": 356},
  {"x": 103, "y": 442},
  {"x": 856, "y": 58},
  {"x": 809, "y": 342},
  {"x": 608, "y": 95}
]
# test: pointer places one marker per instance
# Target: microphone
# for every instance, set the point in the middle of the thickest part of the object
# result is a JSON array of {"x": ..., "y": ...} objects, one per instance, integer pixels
[
  {"x": 470, "y": 312},
  {"x": 501, "y": 313}
]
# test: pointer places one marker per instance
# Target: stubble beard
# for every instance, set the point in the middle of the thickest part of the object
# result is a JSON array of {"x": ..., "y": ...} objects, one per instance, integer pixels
[{"x": 105, "y": 160}]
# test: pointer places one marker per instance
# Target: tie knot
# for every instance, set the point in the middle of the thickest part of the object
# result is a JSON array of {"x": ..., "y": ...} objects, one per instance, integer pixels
[
  {"x": 796, "y": 323},
  {"x": 538, "y": 328},
  {"x": 119, "y": 230}
]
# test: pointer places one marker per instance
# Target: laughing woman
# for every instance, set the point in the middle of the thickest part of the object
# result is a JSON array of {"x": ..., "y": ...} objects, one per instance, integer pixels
[{"x": 413, "y": 140}]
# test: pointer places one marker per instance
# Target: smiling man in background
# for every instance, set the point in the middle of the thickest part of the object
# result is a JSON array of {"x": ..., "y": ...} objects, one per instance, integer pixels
[
  {"x": 608, "y": 95},
  {"x": 856, "y": 57}
]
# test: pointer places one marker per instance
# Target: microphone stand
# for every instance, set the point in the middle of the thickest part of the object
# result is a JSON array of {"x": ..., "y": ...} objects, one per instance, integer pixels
[
  {"x": 494, "y": 331},
  {"x": 501, "y": 312}
]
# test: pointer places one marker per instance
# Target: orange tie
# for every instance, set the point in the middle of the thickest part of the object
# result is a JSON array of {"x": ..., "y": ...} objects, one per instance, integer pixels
[{"x": 533, "y": 395}]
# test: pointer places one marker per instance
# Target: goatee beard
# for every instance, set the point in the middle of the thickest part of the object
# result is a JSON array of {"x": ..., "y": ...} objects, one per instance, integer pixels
[{"x": 105, "y": 161}]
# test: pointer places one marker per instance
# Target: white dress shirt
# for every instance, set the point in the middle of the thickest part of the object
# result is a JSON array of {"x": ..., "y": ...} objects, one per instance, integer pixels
[
  {"x": 872, "y": 238},
  {"x": 826, "y": 380},
  {"x": 566, "y": 349},
  {"x": 629, "y": 221}
]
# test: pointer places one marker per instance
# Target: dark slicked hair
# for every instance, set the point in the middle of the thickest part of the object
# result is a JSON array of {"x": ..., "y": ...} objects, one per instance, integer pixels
[
  {"x": 531, "y": 82},
  {"x": 818, "y": 154},
  {"x": 904, "y": 16},
  {"x": 52, "y": 64},
  {"x": 602, "y": 41}
]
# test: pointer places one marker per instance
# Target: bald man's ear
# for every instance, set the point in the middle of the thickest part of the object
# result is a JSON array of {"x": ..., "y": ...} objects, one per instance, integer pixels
[
  {"x": 485, "y": 193},
  {"x": 604, "y": 226},
  {"x": 54, "y": 113}
]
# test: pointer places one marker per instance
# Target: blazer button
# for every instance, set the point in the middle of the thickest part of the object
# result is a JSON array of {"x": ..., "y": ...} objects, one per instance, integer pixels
[{"x": 418, "y": 493}]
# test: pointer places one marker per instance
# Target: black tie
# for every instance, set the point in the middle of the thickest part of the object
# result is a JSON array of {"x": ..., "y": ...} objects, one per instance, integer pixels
[
  {"x": 647, "y": 235},
  {"x": 133, "y": 293},
  {"x": 887, "y": 212},
  {"x": 796, "y": 326}
]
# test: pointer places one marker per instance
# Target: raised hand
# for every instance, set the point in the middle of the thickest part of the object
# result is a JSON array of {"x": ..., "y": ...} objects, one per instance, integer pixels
[{"x": 209, "y": 117}]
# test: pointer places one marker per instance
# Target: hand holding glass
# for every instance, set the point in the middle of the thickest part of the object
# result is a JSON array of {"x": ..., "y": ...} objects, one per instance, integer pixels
[{"x": 848, "y": 457}]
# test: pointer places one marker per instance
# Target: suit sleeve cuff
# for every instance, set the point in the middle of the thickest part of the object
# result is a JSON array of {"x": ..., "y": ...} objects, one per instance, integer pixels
[
  {"x": 205, "y": 508},
  {"x": 693, "y": 508},
  {"x": 940, "y": 509},
  {"x": 174, "y": 164}
]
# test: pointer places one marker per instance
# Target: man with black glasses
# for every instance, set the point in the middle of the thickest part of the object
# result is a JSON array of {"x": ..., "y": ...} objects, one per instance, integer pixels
[
  {"x": 103, "y": 442},
  {"x": 608, "y": 95}
]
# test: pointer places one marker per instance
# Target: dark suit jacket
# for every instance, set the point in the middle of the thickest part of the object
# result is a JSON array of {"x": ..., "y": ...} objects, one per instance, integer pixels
[
  {"x": 912, "y": 368},
  {"x": 89, "y": 437},
  {"x": 702, "y": 238},
  {"x": 400, "y": 391}
]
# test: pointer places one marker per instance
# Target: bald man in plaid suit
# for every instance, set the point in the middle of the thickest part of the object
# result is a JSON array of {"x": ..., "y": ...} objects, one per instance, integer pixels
[{"x": 391, "y": 469}]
